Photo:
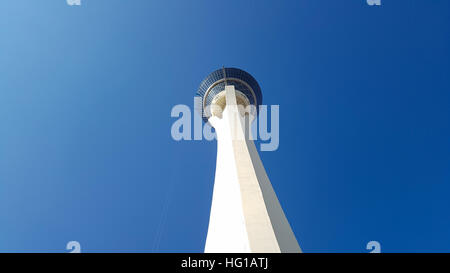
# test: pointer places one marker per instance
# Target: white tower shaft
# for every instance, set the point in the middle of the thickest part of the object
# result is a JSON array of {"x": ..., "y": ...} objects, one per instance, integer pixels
[{"x": 245, "y": 213}]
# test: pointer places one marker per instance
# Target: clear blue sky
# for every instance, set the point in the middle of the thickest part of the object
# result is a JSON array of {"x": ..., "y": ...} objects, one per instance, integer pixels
[{"x": 85, "y": 100}]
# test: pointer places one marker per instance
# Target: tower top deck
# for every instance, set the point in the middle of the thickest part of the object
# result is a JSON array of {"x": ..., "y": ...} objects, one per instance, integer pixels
[{"x": 215, "y": 83}]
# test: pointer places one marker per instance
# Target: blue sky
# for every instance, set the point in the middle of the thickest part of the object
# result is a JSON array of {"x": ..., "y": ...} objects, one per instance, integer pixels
[{"x": 85, "y": 100}]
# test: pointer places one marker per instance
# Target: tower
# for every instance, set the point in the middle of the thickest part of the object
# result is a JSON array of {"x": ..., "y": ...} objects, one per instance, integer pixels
[{"x": 245, "y": 213}]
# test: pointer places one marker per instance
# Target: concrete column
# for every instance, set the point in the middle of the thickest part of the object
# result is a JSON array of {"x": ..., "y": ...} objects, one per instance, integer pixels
[{"x": 245, "y": 213}]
